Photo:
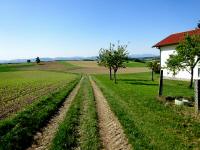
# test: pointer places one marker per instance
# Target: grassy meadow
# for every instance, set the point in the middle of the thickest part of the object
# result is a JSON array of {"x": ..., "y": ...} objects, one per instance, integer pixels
[
  {"x": 148, "y": 123},
  {"x": 135, "y": 64},
  {"x": 14, "y": 67}
]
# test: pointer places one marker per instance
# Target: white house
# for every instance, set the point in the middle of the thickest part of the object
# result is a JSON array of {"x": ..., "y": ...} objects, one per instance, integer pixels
[{"x": 167, "y": 47}]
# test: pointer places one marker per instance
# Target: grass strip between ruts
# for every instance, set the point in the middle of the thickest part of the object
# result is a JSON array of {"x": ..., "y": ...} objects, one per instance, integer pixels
[
  {"x": 89, "y": 136},
  {"x": 79, "y": 123}
]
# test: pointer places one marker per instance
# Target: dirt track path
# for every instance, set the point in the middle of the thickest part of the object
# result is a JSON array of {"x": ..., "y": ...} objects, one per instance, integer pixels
[
  {"x": 111, "y": 132},
  {"x": 43, "y": 139}
]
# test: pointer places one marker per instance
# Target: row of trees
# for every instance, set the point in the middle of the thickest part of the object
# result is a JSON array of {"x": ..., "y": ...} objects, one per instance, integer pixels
[{"x": 113, "y": 58}]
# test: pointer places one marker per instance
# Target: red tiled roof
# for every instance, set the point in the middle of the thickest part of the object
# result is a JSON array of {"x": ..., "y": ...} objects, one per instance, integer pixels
[{"x": 176, "y": 38}]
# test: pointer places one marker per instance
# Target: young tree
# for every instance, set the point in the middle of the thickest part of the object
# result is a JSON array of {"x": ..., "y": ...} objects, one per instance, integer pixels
[
  {"x": 186, "y": 56},
  {"x": 120, "y": 55},
  {"x": 113, "y": 58},
  {"x": 105, "y": 59},
  {"x": 37, "y": 60},
  {"x": 155, "y": 67}
]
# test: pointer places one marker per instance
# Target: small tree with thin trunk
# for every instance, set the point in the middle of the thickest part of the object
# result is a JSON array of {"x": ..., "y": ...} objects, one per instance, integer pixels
[
  {"x": 113, "y": 58},
  {"x": 155, "y": 67},
  {"x": 186, "y": 56},
  {"x": 120, "y": 55}
]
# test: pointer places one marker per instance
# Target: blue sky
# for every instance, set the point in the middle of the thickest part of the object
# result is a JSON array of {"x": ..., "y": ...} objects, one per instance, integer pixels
[{"x": 53, "y": 28}]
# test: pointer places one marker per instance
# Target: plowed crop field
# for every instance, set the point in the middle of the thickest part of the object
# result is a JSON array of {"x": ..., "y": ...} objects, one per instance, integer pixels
[{"x": 20, "y": 88}]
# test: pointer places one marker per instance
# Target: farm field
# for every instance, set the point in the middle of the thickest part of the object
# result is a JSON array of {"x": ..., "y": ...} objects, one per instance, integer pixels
[
  {"x": 75, "y": 126},
  {"x": 135, "y": 64},
  {"x": 148, "y": 123},
  {"x": 57, "y": 66},
  {"x": 49, "y": 109},
  {"x": 99, "y": 75},
  {"x": 93, "y": 64},
  {"x": 91, "y": 67},
  {"x": 20, "y": 88},
  {"x": 18, "y": 131},
  {"x": 25, "y": 83},
  {"x": 14, "y": 67},
  {"x": 80, "y": 67}
]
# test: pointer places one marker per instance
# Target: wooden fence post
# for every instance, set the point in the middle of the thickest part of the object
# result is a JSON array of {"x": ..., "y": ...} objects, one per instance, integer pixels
[
  {"x": 161, "y": 83},
  {"x": 197, "y": 95}
]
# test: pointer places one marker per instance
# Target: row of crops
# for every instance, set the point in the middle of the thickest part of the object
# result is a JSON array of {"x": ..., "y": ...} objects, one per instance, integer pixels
[
  {"x": 17, "y": 132},
  {"x": 19, "y": 89}
]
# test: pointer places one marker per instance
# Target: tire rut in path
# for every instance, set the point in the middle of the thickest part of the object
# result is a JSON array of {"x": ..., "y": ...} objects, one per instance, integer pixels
[
  {"x": 43, "y": 138},
  {"x": 111, "y": 132}
]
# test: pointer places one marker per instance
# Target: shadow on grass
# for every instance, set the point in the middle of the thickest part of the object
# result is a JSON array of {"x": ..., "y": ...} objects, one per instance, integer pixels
[
  {"x": 142, "y": 83},
  {"x": 132, "y": 80},
  {"x": 138, "y": 82}
]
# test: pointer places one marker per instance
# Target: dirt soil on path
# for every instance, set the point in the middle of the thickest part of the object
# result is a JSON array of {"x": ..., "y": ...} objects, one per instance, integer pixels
[
  {"x": 43, "y": 139},
  {"x": 111, "y": 132}
]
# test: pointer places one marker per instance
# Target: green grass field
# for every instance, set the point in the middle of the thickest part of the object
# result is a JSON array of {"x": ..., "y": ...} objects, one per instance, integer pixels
[
  {"x": 31, "y": 97},
  {"x": 148, "y": 123},
  {"x": 135, "y": 64},
  {"x": 14, "y": 67},
  {"x": 69, "y": 65}
]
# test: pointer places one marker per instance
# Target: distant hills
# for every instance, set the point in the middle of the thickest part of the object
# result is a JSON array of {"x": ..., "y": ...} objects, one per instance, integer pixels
[
  {"x": 49, "y": 59},
  {"x": 142, "y": 55},
  {"x": 138, "y": 56}
]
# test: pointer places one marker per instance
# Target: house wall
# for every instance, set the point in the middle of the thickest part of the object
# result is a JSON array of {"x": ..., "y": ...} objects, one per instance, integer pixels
[{"x": 166, "y": 51}]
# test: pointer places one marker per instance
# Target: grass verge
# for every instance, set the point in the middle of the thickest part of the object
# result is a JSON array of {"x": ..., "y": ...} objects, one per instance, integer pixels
[
  {"x": 80, "y": 123},
  {"x": 17, "y": 132}
]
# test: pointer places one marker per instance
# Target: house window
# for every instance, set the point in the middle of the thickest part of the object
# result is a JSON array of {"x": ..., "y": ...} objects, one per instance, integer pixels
[{"x": 198, "y": 72}]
